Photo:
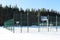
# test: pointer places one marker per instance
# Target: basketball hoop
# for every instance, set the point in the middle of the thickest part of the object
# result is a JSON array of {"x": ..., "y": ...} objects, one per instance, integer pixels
[
  {"x": 17, "y": 22},
  {"x": 44, "y": 18}
]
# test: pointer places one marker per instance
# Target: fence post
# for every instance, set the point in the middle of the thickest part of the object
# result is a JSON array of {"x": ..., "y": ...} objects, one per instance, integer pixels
[
  {"x": 56, "y": 23},
  {"x": 13, "y": 27},
  {"x": 27, "y": 23},
  {"x": 21, "y": 22},
  {"x": 48, "y": 23},
  {"x": 21, "y": 30},
  {"x": 38, "y": 21}
]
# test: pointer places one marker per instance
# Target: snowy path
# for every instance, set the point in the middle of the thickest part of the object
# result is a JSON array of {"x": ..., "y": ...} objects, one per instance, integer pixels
[{"x": 8, "y": 35}]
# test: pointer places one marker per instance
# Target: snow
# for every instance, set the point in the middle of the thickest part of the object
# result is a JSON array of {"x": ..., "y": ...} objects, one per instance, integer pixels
[
  {"x": 35, "y": 29},
  {"x": 37, "y": 36},
  {"x": 6, "y": 34}
]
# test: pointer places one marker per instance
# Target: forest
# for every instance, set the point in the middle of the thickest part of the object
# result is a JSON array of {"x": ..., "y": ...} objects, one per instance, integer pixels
[{"x": 26, "y": 17}]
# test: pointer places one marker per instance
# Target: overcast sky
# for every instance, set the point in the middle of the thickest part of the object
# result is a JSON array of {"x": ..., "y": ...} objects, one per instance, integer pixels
[{"x": 48, "y": 4}]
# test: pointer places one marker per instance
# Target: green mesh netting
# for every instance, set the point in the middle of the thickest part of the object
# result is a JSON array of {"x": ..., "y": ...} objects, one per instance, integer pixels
[{"x": 9, "y": 22}]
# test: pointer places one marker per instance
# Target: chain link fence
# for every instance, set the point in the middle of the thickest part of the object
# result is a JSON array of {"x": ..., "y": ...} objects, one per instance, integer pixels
[{"x": 28, "y": 21}]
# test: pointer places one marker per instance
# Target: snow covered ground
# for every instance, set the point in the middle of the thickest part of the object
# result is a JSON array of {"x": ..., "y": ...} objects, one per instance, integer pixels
[
  {"x": 31, "y": 29},
  {"x": 6, "y": 34}
]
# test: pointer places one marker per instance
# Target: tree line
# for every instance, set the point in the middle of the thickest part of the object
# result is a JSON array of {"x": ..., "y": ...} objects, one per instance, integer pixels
[{"x": 26, "y": 17}]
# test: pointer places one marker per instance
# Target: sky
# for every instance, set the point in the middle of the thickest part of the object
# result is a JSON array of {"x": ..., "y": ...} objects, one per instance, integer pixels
[{"x": 35, "y": 4}]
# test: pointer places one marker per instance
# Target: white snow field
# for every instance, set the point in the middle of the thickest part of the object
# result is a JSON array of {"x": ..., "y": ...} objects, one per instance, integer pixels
[
  {"x": 6, "y": 34},
  {"x": 17, "y": 29}
]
